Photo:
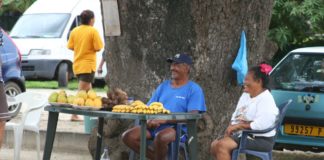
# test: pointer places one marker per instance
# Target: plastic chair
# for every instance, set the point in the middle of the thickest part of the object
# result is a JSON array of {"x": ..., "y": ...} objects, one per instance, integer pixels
[
  {"x": 30, "y": 120},
  {"x": 263, "y": 155},
  {"x": 173, "y": 149}
]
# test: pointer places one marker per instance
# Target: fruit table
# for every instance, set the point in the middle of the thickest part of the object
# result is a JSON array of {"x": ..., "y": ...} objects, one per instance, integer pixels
[{"x": 54, "y": 111}]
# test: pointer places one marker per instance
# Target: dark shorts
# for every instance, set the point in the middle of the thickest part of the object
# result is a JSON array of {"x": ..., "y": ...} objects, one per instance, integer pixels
[
  {"x": 262, "y": 144},
  {"x": 3, "y": 104},
  {"x": 86, "y": 77},
  {"x": 155, "y": 131}
]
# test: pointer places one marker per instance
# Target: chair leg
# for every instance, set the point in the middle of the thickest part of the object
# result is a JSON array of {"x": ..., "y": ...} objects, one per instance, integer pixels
[
  {"x": 270, "y": 156},
  {"x": 131, "y": 155},
  {"x": 38, "y": 145},
  {"x": 18, "y": 133},
  {"x": 183, "y": 146},
  {"x": 170, "y": 153},
  {"x": 235, "y": 154},
  {"x": 16, "y": 141}
]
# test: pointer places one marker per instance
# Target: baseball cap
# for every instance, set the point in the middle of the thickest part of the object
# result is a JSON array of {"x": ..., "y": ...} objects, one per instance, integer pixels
[{"x": 180, "y": 58}]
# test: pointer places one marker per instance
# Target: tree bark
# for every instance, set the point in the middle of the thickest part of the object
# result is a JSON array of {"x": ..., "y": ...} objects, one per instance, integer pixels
[{"x": 209, "y": 30}]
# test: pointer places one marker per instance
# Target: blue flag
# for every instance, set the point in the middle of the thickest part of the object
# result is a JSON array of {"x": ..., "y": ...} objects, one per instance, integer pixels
[{"x": 240, "y": 64}]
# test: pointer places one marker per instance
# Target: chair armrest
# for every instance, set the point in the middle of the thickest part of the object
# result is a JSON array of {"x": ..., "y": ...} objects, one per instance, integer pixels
[
  {"x": 245, "y": 134},
  {"x": 36, "y": 108},
  {"x": 259, "y": 131}
]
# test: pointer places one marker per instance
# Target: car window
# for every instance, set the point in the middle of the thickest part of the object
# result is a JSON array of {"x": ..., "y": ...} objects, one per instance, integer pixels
[
  {"x": 40, "y": 26},
  {"x": 76, "y": 22},
  {"x": 300, "y": 72}
]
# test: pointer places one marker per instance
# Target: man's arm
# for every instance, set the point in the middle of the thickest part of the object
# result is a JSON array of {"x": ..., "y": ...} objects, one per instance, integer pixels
[
  {"x": 237, "y": 127},
  {"x": 102, "y": 61}
]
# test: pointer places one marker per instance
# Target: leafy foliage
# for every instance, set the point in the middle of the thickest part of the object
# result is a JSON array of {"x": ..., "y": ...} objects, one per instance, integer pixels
[
  {"x": 15, "y": 6},
  {"x": 297, "y": 21}
]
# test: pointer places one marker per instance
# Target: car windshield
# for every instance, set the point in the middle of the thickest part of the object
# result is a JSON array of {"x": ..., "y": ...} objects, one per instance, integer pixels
[
  {"x": 40, "y": 26},
  {"x": 299, "y": 72}
]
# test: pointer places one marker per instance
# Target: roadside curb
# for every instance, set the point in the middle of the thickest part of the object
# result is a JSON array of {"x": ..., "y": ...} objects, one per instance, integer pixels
[{"x": 64, "y": 141}]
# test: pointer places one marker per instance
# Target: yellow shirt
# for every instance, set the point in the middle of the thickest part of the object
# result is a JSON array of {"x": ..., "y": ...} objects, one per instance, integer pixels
[{"x": 85, "y": 42}]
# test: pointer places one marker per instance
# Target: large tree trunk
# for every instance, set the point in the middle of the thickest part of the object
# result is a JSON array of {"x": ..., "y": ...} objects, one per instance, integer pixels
[{"x": 209, "y": 30}]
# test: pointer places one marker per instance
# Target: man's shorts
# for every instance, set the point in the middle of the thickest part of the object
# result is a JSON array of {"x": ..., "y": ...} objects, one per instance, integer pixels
[
  {"x": 256, "y": 143},
  {"x": 86, "y": 77},
  {"x": 4, "y": 115},
  {"x": 155, "y": 131}
]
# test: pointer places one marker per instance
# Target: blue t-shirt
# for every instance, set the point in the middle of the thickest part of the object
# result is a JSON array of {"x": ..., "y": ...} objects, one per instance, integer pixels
[{"x": 186, "y": 98}]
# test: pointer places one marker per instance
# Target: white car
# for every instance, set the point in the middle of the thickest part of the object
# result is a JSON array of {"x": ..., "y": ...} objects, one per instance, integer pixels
[{"x": 42, "y": 32}]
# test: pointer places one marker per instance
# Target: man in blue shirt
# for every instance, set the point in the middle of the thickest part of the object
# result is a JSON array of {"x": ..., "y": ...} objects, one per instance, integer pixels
[{"x": 177, "y": 95}]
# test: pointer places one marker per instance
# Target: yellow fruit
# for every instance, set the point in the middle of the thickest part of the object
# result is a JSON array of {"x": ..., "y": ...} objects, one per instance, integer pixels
[
  {"x": 137, "y": 103},
  {"x": 61, "y": 99},
  {"x": 92, "y": 94},
  {"x": 82, "y": 94},
  {"x": 70, "y": 99},
  {"x": 62, "y": 92},
  {"x": 97, "y": 102},
  {"x": 89, "y": 102},
  {"x": 156, "y": 104},
  {"x": 53, "y": 97},
  {"x": 78, "y": 101},
  {"x": 75, "y": 101}
]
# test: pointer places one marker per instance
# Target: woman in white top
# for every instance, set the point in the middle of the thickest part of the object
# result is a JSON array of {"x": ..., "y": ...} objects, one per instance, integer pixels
[{"x": 255, "y": 110}]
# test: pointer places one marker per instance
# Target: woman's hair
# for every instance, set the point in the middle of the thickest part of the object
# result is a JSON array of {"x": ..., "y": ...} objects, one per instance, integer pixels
[
  {"x": 86, "y": 16},
  {"x": 261, "y": 72}
]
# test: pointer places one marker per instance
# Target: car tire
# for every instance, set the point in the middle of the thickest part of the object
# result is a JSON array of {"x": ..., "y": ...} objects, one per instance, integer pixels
[
  {"x": 63, "y": 75},
  {"x": 12, "y": 89}
]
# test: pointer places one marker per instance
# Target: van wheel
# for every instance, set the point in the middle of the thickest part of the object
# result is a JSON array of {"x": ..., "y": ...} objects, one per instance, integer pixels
[
  {"x": 12, "y": 89},
  {"x": 63, "y": 75}
]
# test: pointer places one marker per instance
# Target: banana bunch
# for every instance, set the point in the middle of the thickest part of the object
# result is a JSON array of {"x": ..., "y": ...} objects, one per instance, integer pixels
[
  {"x": 138, "y": 107},
  {"x": 158, "y": 107},
  {"x": 122, "y": 108}
]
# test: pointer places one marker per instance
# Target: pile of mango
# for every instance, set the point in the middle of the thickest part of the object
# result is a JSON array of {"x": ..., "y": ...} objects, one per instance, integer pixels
[
  {"x": 82, "y": 98},
  {"x": 139, "y": 107}
]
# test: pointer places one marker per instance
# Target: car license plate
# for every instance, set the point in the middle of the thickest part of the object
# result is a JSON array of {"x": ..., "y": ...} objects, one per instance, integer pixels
[{"x": 304, "y": 130}]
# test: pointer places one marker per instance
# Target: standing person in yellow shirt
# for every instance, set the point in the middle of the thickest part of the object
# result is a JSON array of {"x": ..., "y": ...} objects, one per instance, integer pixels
[{"x": 85, "y": 42}]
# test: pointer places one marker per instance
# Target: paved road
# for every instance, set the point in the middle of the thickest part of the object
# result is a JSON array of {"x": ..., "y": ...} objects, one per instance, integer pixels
[{"x": 7, "y": 154}]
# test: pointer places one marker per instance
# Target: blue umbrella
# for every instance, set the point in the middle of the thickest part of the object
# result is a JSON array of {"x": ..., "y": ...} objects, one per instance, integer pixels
[{"x": 240, "y": 64}]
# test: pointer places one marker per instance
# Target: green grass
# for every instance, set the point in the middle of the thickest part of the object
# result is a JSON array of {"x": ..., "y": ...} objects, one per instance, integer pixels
[{"x": 72, "y": 85}]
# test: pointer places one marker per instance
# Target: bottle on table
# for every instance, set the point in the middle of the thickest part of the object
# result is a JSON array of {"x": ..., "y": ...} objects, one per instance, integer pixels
[{"x": 105, "y": 154}]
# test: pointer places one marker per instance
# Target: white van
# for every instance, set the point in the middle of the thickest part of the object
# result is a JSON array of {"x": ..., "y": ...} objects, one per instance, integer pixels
[{"x": 42, "y": 32}]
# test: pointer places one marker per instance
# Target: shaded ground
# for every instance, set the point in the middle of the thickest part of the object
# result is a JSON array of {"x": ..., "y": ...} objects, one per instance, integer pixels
[
  {"x": 7, "y": 154},
  {"x": 292, "y": 155},
  {"x": 297, "y": 155}
]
